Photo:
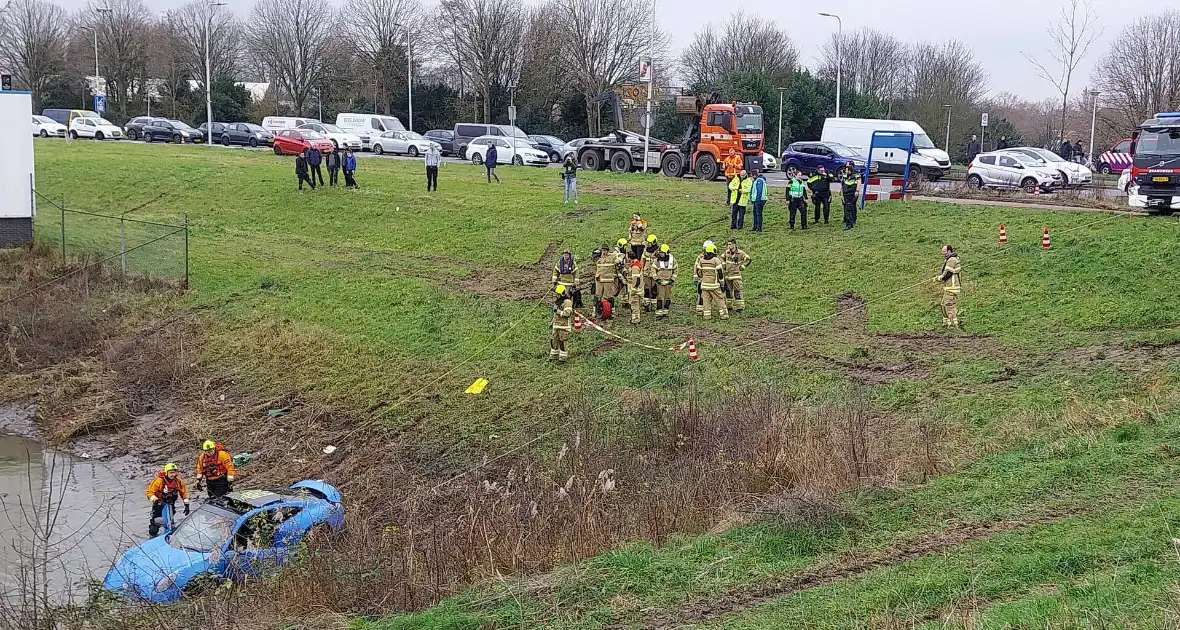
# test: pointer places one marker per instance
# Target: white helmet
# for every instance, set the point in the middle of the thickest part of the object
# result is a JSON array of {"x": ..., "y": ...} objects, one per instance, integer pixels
[{"x": 706, "y": 244}]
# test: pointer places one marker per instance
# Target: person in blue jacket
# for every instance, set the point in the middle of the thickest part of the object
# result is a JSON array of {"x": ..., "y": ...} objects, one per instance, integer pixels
[
  {"x": 489, "y": 161},
  {"x": 349, "y": 169},
  {"x": 758, "y": 196}
]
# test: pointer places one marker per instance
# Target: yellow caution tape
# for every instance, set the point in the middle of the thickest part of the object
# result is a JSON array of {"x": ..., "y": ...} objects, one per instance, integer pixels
[{"x": 477, "y": 386}]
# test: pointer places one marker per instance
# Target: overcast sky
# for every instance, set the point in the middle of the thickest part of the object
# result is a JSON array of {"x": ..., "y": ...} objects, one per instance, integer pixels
[{"x": 997, "y": 30}]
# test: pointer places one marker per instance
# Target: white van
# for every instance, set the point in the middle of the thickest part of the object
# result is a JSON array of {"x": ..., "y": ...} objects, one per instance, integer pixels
[
  {"x": 368, "y": 126},
  {"x": 857, "y": 133},
  {"x": 275, "y": 124}
]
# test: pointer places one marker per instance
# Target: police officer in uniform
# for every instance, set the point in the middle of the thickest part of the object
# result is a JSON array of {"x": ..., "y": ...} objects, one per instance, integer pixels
[
  {"x": 849, "y": 181},
  {"x": 797, "y": 198},
  {"x": 820, "y": 184}
]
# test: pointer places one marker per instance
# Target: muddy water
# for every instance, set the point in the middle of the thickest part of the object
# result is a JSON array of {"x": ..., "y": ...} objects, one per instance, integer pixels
[{"x": 67, "y": 515}]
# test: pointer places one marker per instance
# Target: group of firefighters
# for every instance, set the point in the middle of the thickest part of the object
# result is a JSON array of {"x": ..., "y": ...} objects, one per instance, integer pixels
[
  {"x": 642, "y": 271},
  {"x": 215, "y": 470},
  {"x": 748, "y": 189}
]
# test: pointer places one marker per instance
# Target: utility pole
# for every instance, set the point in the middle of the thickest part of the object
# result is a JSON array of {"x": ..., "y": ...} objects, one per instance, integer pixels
[
  {"x": 780, "y": 123},
  {"x": 1093, "y": 122},
  {"x": 947, "y": 148},
  {"x": 839, "y": 55},
  {"x": 209, "y": 8},
  {"x": 409, "y": 74},
  {"x": 650, "y": 76}
]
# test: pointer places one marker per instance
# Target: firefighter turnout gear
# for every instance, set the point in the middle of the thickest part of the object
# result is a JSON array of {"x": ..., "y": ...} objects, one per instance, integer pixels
[
  {"x": 565, "y": 273},
  {"x": 636, "y": 231},
  {"x": 634, "y": 278},
  {"x": 606, "y": 278},
  {"x": 951, "y": 268},
  {"x": 665, "y": 277},
  {"x": 561, "y": 325},
  {"x": 820, "y": 184},
  {"x": 215, "y": 466},
  {"x": 696, "y": 277},
  {"x": 710, "y": 274},
  {"x": 734, "y": 262},
  {"x": 164, "y": 489},
  {"x": 649, "y": 273}
]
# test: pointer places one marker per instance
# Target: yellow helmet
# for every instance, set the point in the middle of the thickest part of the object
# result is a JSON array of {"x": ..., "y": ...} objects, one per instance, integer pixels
[
  {"x": 664, "y": 248},
  {"x": 622, "y": 242},
  {"x": 209, "y": 445},
  {"x": 711, "y": 248},
  {"x": 559, "y": 289},
  {"x": 169, "y": 467},
  {"x": 707, "y": 244},
  {"x": 651, "y": 238}
]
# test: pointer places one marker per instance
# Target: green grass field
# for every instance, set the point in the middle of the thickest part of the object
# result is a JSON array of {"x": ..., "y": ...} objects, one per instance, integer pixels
[{"x": 1054, "y": 405}]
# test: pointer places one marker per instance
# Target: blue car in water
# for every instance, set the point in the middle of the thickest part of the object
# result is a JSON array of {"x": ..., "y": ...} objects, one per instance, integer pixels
[{"x": 233, "y": 537}]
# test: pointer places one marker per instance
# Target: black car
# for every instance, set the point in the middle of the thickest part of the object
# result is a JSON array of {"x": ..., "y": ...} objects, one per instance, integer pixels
[
  {"x": 554, "y": 146},
  {"x": 445, "y": 138},
  {"x": 239, "y": 133},
  {"x": 169, "y": 131},
  {"x": 134, "y": 127}
]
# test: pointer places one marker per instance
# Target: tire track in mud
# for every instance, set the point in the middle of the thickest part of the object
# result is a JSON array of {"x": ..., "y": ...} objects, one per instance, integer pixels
[{"x": 849, "y": 566}]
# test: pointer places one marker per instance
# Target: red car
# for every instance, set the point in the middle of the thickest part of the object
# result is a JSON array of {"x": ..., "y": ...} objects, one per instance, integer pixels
[{"x": 296, "y": 141}]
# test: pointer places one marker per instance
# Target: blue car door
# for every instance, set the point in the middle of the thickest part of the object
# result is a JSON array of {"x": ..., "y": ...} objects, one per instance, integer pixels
[{"x": 257, "y": 545}]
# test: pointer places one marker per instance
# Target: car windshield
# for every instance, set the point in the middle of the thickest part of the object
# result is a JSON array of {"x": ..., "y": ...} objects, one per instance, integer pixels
[
  {"x": 103, "y": 121},
  {"x": 254, "y": 128},
  {"x": 554, "y": 140},
  {"x": 391, "y": 124},
  {"x": 1028, "y": 160},
  {"x": 1048, "y": 156},
  {"x": 922, "y": 141},
  {"x": 843, "y": 151},
  {"x": 749, "y": 122},
  {"x": 42, "y": 119},
  {"x": 313, "y": 135},
  {"x": 414, "y": 135},
  {"x": 1161, "y": 142},
  {"x": 179, "y": 125},
  {"x": 332, "y": 129},
  {"x": 522, "y": 143},
  {"x": 515, "y": 132},
  {"x": 203, "y": 530}
]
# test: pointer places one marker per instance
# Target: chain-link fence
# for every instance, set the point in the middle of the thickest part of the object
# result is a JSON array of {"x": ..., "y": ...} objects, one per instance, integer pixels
[{"x": 134, "y": 246}]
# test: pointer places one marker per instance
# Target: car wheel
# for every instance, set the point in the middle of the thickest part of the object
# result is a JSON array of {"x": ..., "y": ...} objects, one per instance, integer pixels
[
  {"x": 176, "y": 138},
  {"x": 73, "y": 135},
  {"x": 378, "y": 149},
  {"x": 225, "y": 139},
  {"x": 413, "y": 151},
  {"x": 278, "y": 151},
  {"x": 620, "y": 162},
  {"x": 253, "y": 142},
  {"x": 1029, "y": 185},
  {"x": 1105, "y": 169},
  {"x": 44, "y": 134},
  {"x": 974, "y": 181},
  {"x": 1064, "y": 178},
  {"x": 99, "y": 135},
  {"x": 476, "y": 159},
  {"x": 517, "y": 160},
  {"x": 132, "y": 134},
  {"x": 462, "y": 153}
]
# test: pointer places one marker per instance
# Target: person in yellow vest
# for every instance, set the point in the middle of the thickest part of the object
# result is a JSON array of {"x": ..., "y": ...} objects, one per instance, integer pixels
[
  {"x": 164, "y": 489},
  {"x": 711, "y": 275},
  {"x": 732, "y": 165},
  {"x": 636, "y": 231},
  {"x": 665, "y": 276},
  {"x": 740, "y": 196},
  {"x": 605, "y": 280},
  {"x": 561, "y": 325},
  {"x": 696, "y": 277},
  {"x": 734, "y": 262},
  {"x": 565, "y": 273},
  {"x": 951, "y": 268},
  {"x": 649, "y": 277},
  {"x": 634, "y": 277}
]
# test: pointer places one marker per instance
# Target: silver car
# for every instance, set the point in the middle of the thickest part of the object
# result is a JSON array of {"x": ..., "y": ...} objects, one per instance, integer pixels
[
  {"x": 1072, "y": 173},
  {"x": 1008, "y": 169}
]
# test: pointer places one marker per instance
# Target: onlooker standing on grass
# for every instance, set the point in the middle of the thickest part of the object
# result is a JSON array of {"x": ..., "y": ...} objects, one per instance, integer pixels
[
  {"x": 569, "y": 175},
  {"x": 333, "y": 164},
  {"x": 489, "y": 162},
  {"x": 758, "y": 197},
  {"x": 314, "y": 158},
  {"x": 433, "y": 160},
  {"x": 740, "y": 197},
  {"x": 349, "y": 169},
  {"x": 301, "y": 170}
]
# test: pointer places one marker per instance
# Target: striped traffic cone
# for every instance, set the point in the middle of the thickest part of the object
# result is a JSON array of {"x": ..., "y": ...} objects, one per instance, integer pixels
[
  {"x": 692, "y": 350},
  {"x": 577, "y": 322},
  {"x": 1045, "y": 239},
  {"x": 1003, "y": 234}
]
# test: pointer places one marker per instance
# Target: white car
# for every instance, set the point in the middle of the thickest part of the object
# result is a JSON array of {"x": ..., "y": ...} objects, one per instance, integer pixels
[
  {"x": 1010, "y": 169},
  {"x": 769, "y": 163},
  {"x": 45, "y": 127},
  {"x": 509, "y": 150},
  {"x": 1073, "y": 174},
  {"x": 403, "y": 142},
  {"x": 97, "y": 128},
  {"x": 340, "y": 138}
]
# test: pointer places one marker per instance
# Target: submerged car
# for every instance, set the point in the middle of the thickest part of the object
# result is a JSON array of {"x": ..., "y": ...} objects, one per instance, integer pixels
[{"x": 239, "y": 535}]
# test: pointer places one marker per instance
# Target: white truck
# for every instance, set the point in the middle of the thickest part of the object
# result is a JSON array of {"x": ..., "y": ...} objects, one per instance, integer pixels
[{"x": 927, "y": 161}]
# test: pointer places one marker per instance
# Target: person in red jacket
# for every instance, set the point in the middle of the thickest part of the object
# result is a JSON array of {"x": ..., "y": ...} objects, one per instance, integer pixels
[{"x": 215, "y": 466}]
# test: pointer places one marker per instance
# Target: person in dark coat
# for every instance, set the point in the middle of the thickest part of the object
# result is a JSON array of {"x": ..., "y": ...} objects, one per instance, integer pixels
[
  {"x": 1002, "y": 144},
  {"x": 489, "y": 162},
  {"x": 314, "y": 158},
  {"x": 1079, "y": 152},
  {"x": 1066, "y": 150},
  {"x": 349, "y": 169},
  {"x": 333, "y": 164},
  {"x": 972, "y": 149},
  {"x": 301, "y": 171}
]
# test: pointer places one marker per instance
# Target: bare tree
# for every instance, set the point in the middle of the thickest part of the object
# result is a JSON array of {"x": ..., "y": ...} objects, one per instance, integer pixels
[
  {"x": 1140, "y": 75},
  {"x": 286, "y": 37},
  {"x": 1075, "y": 30},
  {"x": 33, "y": 43},
  {"x": 744, "y": 44},
  {"x": 483, "y": 38},
  {"x": 603, "y": 41},
  {"x": 380, "y": 30},
  {"x": 543, "y": 82},
  {"x": 871, "y": 62},
  {"x": 225, "y": 41},
  {"x": 123, "y": 31}
]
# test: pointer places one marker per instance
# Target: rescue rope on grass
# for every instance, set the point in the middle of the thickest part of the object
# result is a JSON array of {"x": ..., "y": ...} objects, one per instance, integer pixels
[{"x": 579, "y": 318}]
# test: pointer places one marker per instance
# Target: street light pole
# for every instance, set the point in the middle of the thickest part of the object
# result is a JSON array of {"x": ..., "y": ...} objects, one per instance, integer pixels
[
  {"x": 208, "y": 78},
  {"x": 839, "y": 55},
  {"x": 948, "y": 129},
  {"x": 1093, "y": 121},
  {"x": 409, "y": 73},
  {"x": 780, "y": 123}
]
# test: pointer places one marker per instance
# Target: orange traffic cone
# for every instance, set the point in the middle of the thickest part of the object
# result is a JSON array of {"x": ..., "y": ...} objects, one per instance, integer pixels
[
  {"x": 692, "y": 350},
  {"x": 577, "y": 322},
  {"x": 1045, "y": 239},
  {"x": 1003, "y": 234}
]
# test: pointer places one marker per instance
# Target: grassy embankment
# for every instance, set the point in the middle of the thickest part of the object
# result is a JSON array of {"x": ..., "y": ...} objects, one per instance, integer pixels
[{"x": 358, "y": 300}]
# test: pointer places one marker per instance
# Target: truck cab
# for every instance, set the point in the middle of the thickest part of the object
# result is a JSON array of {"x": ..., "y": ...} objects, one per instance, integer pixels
[
  {"x": 719, "y": 128},
  {"x": 1154, "y": 183}
]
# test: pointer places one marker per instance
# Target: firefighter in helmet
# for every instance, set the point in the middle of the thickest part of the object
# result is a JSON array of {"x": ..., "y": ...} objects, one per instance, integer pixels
[
  {"x": 164, "y": 489},
  {"x": 215, "y": 467}
]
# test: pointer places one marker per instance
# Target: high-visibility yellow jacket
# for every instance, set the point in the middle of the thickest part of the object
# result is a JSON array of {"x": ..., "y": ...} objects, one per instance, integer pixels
[
  {"x": 747, "y": 186},
  {"x": 735, "y": 190}
]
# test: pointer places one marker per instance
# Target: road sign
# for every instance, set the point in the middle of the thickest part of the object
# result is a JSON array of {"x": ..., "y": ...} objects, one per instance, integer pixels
[
  {"x": 646, "y": 120},
  {"x": 100, "y": 103},
  {"x": 983, "y": 121},
  {"x": 6, "y": 82},
  {"x": 512, "y": 112},
  {"x": 645, "y": 70}
]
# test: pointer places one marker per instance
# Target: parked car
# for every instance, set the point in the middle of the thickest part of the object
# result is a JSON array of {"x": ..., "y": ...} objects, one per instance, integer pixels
[
  {"x": 275, "y": 124},
  {"x": 134, "y": 127},
  {"x": 340, "y": 139},
  {"x": 522, "y": 152},
  {"x": 769, "y": 163},
  {"x": 169, "y": 131},
  {"x": 296, "y": 141},
  {"x": 237, "y": 133},
  {"x": 576, "y": 144},
  {"x": 402, "y": 142},
  {"x": 368, "y": 126},
  {"x": 809, "y": 156},
  {"x": 445, "y": 139},
  {"x": 45, "y": 127},
  {"x": 97, "y": 127},
  {"x": 64, "y": 116},
  {"x": 1010, "y": 169},
  {"x": 466, "y": 132},
  {"x": 239, "y": 535},
  {"x": 1072, "y": 173},
  {"x": 554, "y": 146}
]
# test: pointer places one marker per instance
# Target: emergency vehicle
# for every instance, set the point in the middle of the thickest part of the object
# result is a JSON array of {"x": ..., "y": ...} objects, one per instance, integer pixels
[
  {"x": 1117, "y": 159},
  {"x": 1154, "y": 183}
]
